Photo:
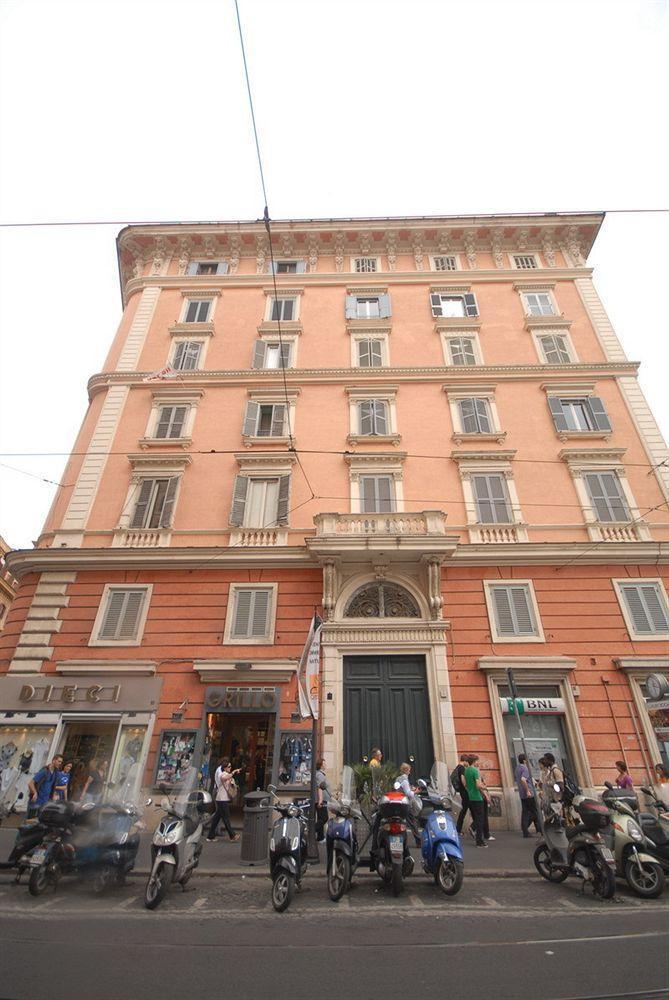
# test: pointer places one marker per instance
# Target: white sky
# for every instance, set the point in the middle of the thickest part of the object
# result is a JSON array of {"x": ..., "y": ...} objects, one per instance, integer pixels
[{"x": 137, "y": 110}]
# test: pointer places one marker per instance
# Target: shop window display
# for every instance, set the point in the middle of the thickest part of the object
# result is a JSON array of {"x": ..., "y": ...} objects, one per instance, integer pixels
[
  {"x": 23, "y": 751},
  {"x": 295, "y": 752},
  {"x": 177, "y": 748},
  {"x": 248, "y": 740},
  {"x": 658, "y": 713}
]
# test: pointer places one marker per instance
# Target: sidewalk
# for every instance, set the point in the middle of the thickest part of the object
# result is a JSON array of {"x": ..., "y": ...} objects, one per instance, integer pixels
[{"x": 508, "y": 856}]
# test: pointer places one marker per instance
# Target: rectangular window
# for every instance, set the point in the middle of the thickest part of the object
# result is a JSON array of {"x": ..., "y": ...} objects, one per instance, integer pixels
[
  {"x": 288, "y": 266},
  {"x": 538, "y": 304},
  {"x": 282, "y": 310},
  {"x": 265, "y": 419},
  {"x": 368, "y": 306},
  {"x": 370, "y": 353},
  {"x": 197, "y": 310},
  {"x": 365, "y": 265},
  {"x": 199, "y": 267},
  {"x": 475, "y": 416},
  {"x": 187, "y": 355},
  {"x": 492, "y": 499},
  {"x": 513, "y": 611},
  {"x": 555, "y": 349},
  {"x": 251, "y": 612},
  {"x": 461, "y": 350},
  {"x": 155, "y": 503},
  {"x": 447, "y": 263},
  {"x": 576, "y": 415},
  {"x": 646, "y": 607},
  {"x": 171, "y": 421},
  {"x": 377, "y": 495},
  {"x": 272, "y": 354},
  {"x": 606, "y": 496},
  {"x": 525, "y": 262},
  {"x": 372, "y": 417},
  {"x": 260, "y": 502},
  {"x": 122, "y": 617},
  {"x": 453, "y": 305}
]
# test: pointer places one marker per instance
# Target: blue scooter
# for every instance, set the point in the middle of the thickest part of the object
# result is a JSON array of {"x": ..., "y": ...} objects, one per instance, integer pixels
[
  {"x": 440, "y": 843},
  {"x": 341, "y": 842}
]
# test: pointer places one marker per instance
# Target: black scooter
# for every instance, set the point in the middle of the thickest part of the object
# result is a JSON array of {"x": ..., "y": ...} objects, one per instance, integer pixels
[
  {"x": 30, "y": 833},
  {"x": 390, "y": 855},
  {"x": 287, "y": 851}
]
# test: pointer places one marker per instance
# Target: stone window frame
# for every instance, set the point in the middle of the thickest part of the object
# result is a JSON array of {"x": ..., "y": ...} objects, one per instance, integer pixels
[
  {"x": 575, "y": 391},
  {"x": 365, "y": 256},
  {"x": 203, "y": 341},
  {"x": 270, "y": 337},
  {"x": 452, "y": 333},
  {"x": 580, "y": 461},
  {"x": 189, "y": 295},
  {"x": 270, "y": 397},
  {"x": 171, "y": 397},
  {"x": 379, "y": 464},
  {"x": 371, "y": 334},
  {"x": 156, "y": 466},
  {"x": 513, "y": 582},
  {"x": 102, "y": 610},
  {"x": 541, "y": 288},
  {"x": 295, "y": 294},
  {"x": 548, "y": 331},
  {"x": 629, "y": 622},
  {"x": 522, "y": 253},
  {"x": 269, "y": 638},
  {"x": 489, "y": 463},
  {"x": 386, "y": 394},
  {"x": 450, "y": 270},
  {"x": 474, "y": 391}
]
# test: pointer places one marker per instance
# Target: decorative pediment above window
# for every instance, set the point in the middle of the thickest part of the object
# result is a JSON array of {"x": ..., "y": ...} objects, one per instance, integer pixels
[
  {"x": 265, "y": 461},
  {"x": 165, "y": 462},
  {"x": 382, "y": 600}
]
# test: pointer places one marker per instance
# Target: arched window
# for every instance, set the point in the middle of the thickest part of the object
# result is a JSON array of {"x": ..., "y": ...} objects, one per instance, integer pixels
[{"x": 382, "y": 600}]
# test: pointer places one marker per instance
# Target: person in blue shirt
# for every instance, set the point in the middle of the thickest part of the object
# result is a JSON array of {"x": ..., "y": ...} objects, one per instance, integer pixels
[
  {"x": 42, "y": 784},
  {"x": 525, "y": 786},
  {"x": 60, "y": 789}
]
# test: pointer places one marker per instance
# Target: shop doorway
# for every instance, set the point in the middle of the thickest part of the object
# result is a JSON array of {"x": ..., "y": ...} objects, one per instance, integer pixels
[
  {"x": 248, "y": 740},
  {"x": 83, "y": 741},
  {"x": 386, "y": 704},
  {"x": 545, "y": 732}
]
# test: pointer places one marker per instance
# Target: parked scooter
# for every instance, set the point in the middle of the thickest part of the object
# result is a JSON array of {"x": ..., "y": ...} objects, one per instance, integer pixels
[
  {"x": 629, "y": 843},
  {"x": 577, "y": 850},
  {"x": 287, "y": 851},
  {"x": 93, "y": 841},
  {"x": 655, "y": 825},
  {"x": 390, "y": 855},
  {"x": 440, "y": 843},
  {"x": 177, "y": 840},
  {"x": 341, "y": 842},
  {"x": 29, "y": 835}
]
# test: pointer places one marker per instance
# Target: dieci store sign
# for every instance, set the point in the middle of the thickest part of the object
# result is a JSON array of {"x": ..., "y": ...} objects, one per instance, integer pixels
[
  {"x": 50, "y": 693},
  {"x": 533, "y": 706}
]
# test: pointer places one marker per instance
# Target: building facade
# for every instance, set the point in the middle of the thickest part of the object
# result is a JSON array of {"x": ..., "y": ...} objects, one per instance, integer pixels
[
  {"x": 425, "y": 430},
  {"x": 7, "y": 584}
]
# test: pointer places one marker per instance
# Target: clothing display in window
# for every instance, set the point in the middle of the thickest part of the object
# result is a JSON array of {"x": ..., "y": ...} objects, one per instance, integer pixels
[
  {"x": 23, "y": 751},
  {"x": 295, "y": 759}
]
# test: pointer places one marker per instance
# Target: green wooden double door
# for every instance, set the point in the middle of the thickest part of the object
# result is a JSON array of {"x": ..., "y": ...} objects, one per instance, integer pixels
[{"x": 386, "y": 705}]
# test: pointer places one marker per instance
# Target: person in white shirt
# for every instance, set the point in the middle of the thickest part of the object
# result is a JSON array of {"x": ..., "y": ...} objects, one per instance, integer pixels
[{"x": 223, "y": 781}]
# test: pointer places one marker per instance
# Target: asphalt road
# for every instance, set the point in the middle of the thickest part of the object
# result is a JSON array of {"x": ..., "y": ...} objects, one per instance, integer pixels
[{"x": 499, "y": 938}]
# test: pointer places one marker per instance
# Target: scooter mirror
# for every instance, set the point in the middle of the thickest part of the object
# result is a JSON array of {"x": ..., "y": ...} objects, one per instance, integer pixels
[
  {"x": 556, "y": 787},
  {"x": 647, "y": 791},
  {"x": 271, "y": 789},
  {"x": 149, "y": 801},
  {"x": 607, "y": 784},
  {"x": 422, "y": 784}
]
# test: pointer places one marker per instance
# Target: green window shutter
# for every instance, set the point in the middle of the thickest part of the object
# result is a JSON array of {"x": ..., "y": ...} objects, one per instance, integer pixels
[
  {"x": 251, "y": 419},
  {"x": 557, "y": 414},
  {"x": 259, "y": 349},
  {"x": 141, "y": 507},
  {"x": 599, "y": 414},
  {"x": 284, "y": 496},
  {"x": 239, "y": 495}
]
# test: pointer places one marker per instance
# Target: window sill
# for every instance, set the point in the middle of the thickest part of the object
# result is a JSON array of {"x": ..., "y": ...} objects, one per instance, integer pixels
[
  {"x": 584, "y": 435},
  {"x": 462, "y": 438},
  {"x": 550, "y": 322},
  {"x": 267, "y": 439},
  {"x": 180, "y": 442},
  {"x": 373, "y": 324},
  {"x": 191, "y": 329},
  {"x": 374, "y": 438},
  {"x": 292, "y": 327},
  {"x": 456, "y": 323}
]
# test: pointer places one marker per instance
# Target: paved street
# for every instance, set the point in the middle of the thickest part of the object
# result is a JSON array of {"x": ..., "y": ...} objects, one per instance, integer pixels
[{"x": 512, "y": 937}]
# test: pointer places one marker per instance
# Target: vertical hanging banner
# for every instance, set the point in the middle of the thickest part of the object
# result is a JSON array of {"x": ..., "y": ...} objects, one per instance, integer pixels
[{"x": 308, "y": 671}]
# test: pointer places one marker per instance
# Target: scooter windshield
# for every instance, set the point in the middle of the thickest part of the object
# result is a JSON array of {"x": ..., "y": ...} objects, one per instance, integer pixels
[
  {"x": 348, "y": 790},
  {"x": 126, "y": 793},
  {"x": 184, "y": 795}
]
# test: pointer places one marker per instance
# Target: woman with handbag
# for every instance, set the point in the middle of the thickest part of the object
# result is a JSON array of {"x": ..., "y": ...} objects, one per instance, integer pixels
[{"x": 226, "y": 789}]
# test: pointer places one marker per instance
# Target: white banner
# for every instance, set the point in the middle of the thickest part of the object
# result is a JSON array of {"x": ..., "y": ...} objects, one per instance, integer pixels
[{"x": 308, "y": 671}]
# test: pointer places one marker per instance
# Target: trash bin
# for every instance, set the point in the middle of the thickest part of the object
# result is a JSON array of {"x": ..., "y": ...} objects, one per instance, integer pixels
[{"x": 255, "y": 832}]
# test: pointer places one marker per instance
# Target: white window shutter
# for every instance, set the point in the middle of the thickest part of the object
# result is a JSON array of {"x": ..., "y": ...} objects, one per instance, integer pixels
[
  {"x": 222, "y": 267},
  {"x": 657, "y": 613},
  {"x": 366, "y": 417},
  {"x": 141, "y": 507},
  {"x": 503, "y": 613},
  {"x": 380, "y": 417},
  {"x": 242, "y": 620},
  {"x": 523, "y": 611},
  {"x": 646, "y": 609},
  {"x": 278, "y": 420},
  {"x": 351, "y": 307},
  {"x": 384, "y": 306},
  {"x": 112, "y": 615},
  {"x": 180, "y": 354},
  {"x": 259, "y": 349},
  {"x": 637, "y": 610},
  {"x": 239, "y": 495},
  {"x": 284, "y": 497},
  {"x": 260, "y": 613},
  {"x": 483, "y": 416},
  {"x": 192, "y": 268},
  {"x": 301, "y": 267},
  {"x": 168, "y": 503},
  {"x": 130, "y": 618},
  {"x": 251, "y": 418}
]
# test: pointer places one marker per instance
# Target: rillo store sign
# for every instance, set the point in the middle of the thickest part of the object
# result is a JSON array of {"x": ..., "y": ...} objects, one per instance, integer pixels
[
  {"x": 533, "y": 706},
  {"x": 238, "y": 699}
]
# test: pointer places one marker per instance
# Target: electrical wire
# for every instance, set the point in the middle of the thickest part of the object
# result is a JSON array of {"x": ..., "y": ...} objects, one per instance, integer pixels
[{"x": 604, "y": 541}]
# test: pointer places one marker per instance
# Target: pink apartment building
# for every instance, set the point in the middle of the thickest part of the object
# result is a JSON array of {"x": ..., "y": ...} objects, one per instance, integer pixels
[{"x": 424, "y": 429}]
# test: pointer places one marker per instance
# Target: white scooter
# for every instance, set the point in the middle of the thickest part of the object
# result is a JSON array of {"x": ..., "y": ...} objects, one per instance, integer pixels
[{"x": 177, "y": 842}]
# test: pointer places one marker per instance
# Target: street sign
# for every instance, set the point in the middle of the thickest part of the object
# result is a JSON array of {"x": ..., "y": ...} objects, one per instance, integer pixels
[{"x": 532, "y": 706}]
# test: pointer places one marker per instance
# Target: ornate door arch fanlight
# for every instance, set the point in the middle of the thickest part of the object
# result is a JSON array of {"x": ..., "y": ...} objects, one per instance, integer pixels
[{"x": 382, "y": 600}]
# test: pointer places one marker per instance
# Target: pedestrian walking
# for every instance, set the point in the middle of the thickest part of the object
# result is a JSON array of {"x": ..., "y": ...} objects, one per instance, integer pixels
[
  {"x": 323, "y": 796},
  {"x": 61, "y": 787},
  {"x": 528, "y": 806},
  {"x": 623, "y": 779},
  {"x": 42, "y": 784},
  {"x": 94, "y": 786},
  {"x": 486, "y": 812},
  {"x": 458, "y": 783},
  {"x": 226, "y": 789},
  {"x": 375, "y": 757},
  {"x": 475, "y": 788}
]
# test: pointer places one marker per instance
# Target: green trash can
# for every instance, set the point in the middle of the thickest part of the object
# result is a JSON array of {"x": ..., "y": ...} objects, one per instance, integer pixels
[{"x": 255, "y": 832}]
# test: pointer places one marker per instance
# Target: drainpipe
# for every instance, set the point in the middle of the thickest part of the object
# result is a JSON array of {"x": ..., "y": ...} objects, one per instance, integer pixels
[
  {"x": 606, "y": 682},
  {"x": 649, "y": 778}
]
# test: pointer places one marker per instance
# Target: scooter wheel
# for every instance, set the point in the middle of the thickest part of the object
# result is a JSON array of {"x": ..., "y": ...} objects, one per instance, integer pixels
[
  {"x": 283, "y": 889},
  {"x": 449, "y": 876},
  {"x": 157, "y": 886},
  {"x": 647, "y": 882},
  {"x": 603, "y": 879},
  {"x": 339, "y": 876},
  {"x": 396, "y": 880},
  {"x": 39, "y": 881},
  {"x": 543, "y": 864}
]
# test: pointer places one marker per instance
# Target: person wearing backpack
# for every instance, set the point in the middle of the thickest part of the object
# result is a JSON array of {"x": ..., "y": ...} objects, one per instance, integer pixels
[
  {"x": 42, "y": 784},
  {"x": 459, "y": 786},
  {"x": 226, "y": 789}
]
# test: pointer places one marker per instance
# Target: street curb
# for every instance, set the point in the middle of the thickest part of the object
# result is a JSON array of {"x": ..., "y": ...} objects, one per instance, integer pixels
[{"x": 262, "y": 872}]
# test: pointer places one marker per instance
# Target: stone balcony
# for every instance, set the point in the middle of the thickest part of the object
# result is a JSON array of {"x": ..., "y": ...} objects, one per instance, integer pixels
[
  {"x": 141, "y": 538},
  {"x": 254, "y": 537},
  {"x": 404, "y": 536},
  {"x": 623, "y": 531}
]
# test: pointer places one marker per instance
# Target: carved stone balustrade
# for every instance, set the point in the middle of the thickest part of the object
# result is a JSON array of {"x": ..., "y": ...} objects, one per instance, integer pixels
[{"x": 401, "y": 536}]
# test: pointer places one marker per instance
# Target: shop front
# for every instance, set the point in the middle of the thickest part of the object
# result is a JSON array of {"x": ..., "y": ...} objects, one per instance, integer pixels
[
  {"x": 649, "y": 683},
  {"x": 92, "y": 718}
]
